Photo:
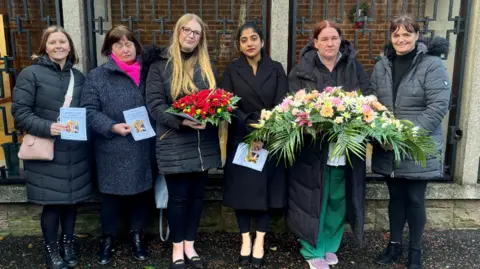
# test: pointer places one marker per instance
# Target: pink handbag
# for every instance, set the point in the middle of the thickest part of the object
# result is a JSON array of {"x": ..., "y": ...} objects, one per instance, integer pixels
[
  {"x": 36, "y": 148},
  {"x": 39, "y": 148}
]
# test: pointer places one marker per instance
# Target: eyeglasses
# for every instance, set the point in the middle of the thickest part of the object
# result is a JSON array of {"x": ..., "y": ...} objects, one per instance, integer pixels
[
  {"x": 187, "y": 31},
  {"x": 120, "y": 45}
]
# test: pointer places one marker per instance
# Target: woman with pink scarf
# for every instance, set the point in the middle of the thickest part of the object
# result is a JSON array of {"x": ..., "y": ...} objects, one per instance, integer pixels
[{"x": 124, "y": 166}]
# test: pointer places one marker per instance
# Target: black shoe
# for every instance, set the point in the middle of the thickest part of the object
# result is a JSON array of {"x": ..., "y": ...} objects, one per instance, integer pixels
[
  {"x": 107, "y": 248},
  {"x": 244, "y": 260},
  {"x": 53, "y": 260},
  {"x": 67, "y": 250},
  {"x": 178, "y": 264},
  {"x": 390, "y": 254},
  {"x": 258, "y": 262},
  {"x": 414, "y": 259},
  {"x": 139, "y": 251},
  {"x": 195, "y": 261}
]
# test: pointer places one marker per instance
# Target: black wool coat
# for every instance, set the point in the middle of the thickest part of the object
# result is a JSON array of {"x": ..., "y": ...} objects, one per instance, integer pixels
[
  {"x": 124, "y": 166},
  {"x": 246, "y": 188}
]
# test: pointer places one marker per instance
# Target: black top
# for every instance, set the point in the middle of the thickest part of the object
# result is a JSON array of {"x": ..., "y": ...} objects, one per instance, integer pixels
[
  {"x": 187, "y": 55},
  {"x": 401, "y": 64}
]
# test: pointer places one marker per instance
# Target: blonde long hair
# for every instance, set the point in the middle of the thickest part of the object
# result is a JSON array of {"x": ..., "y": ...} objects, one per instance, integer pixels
[{"x": 183, "y": 70}]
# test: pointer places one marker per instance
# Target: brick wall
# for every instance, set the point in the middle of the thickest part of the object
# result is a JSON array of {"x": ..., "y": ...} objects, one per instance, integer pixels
[
  {"x": 34, "y": 25},
  {"x": 379, "y": 27},
  {"x": 223, "y": 48}
]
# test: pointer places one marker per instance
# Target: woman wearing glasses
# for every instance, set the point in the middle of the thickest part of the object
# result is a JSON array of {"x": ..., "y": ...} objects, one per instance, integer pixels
[
  {"x": 124, "y": 167},
  {"x": 185, "y": 150}
]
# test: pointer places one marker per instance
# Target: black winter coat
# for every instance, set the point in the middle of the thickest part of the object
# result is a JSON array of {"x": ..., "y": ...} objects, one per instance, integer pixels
[
  {"x": 179, "y": 149},
  {"x": 246, "y": 188},
  {"x": 124, "y": 166},
  {"x": 307, "y": 175},
  {"x": 38, "y": 95}
]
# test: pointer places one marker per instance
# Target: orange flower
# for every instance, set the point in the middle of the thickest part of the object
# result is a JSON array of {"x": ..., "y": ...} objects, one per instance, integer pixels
[
  {"x": 368, "y": 116},
  {"x": 327, "y": 111},
  {"x": 378, "y": 106},
  {"x": 341, "y": 108}
]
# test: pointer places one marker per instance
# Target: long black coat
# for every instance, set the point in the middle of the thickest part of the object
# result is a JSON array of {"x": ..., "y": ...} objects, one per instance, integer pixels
[
  {"x": 307, "y": 175},
  {"x": 37, "y": 98},
  {"x": 246, "y": 188},
  {"x": 124, "y": 166},
  {"x": 179, "y": 149}
]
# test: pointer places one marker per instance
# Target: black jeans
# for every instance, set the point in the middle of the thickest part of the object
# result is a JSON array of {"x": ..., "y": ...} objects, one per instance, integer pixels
[
  {"x": 262, "y": 219},
  {"x": 113, "y": 205},
  {"x": 407, "y": 204},
  {"x": 185, "y": 204},
  {"x": 51, "y": 215}
]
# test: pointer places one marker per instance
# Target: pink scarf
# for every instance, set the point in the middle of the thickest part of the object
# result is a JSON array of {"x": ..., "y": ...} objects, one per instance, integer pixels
[{"x": 133, "y": 70}]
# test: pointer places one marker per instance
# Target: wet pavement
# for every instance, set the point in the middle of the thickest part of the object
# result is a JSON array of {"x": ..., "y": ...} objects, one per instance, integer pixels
[{"x": 453, "y": 249}]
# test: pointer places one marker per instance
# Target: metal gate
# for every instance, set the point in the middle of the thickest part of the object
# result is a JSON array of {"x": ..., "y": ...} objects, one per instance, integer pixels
[
  {"x": 154, "y": 20},
  {"x": 365, "y": 23},
  {"x": 22, "y": 24}
]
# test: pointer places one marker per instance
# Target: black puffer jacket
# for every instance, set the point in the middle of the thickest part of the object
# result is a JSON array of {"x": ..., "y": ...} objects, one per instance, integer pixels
[
  {"x": 179, "y": 149},
  {"x": 37, "y": 97},
  {"x": 307, "y": 175}
]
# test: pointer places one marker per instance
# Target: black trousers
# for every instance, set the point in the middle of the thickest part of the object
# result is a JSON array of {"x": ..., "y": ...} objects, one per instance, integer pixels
[
  {"x": 52, "y": 215},
  {"x": 407, "y": 204},
  {"x": 113, "y": 205},
  {"x": 244, "y": 217},
  {"x": 185, "y": 204}
]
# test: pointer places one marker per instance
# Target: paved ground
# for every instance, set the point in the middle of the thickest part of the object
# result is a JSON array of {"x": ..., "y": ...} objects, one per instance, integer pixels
[{"x": 443, "y": 249}]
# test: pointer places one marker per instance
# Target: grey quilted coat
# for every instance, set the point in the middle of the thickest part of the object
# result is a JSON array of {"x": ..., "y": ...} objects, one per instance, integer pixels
[{"x": 423, "y": 98}]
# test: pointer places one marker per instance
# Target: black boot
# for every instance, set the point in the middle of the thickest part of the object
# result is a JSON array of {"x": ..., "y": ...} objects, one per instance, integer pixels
[
  {"x": 67, "y": 250},
  {"x": 414, "y": 259},
  {"x": 107, "y": 247},
  {"x": 139, "y": 250},
  {"x": 390, "y": 254},
  {"x": 52, "y": 257}
]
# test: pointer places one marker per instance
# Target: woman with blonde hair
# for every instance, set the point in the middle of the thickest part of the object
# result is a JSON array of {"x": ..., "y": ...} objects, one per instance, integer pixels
[
  {"x": 63, "y": 182},
  {"x": 185, "y": 149}
]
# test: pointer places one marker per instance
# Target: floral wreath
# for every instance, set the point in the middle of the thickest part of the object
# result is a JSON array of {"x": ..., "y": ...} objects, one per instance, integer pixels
[{"x": 364, "y": 8}]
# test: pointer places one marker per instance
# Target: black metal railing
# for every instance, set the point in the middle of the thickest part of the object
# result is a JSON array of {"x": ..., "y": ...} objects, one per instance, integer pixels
[{"x": 154, "y": 25}]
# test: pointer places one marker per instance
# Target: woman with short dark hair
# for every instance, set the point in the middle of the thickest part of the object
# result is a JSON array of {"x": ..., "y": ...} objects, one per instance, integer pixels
[
  {"x": 124, "y": 166},
  {"x": 412, "y": 82}
]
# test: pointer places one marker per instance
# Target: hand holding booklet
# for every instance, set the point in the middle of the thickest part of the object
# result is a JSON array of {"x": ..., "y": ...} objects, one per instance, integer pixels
[
  {"x": 140, "y": 122},
  {"x": 256, "y": 161},
  {"x": 75, "y": 119}
]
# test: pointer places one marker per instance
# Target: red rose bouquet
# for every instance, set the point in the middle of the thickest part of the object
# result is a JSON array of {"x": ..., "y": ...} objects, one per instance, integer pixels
[{"x": 206, "y": 106}]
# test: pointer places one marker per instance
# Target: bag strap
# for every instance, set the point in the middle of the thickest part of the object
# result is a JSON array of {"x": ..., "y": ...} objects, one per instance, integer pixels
[
  {"x": 161, "y": 228},
  {"x": 69, "y": 95}
]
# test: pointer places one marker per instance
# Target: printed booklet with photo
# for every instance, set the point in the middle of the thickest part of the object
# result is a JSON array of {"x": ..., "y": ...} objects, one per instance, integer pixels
[
  {"x": 140, "y": 122},
  {"x": 76, "y": 120}
]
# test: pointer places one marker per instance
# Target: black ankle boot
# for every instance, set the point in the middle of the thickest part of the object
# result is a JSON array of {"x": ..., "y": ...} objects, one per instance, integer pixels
[
  {"x": 139, "y": 250},
  {"x": 52, "y": 257},
  {"x": 67, "y": 250},
  {"x": 414, "y": 259},
  {"x": 390, "y": 254},
  {"x": 107, "y": 247}
]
